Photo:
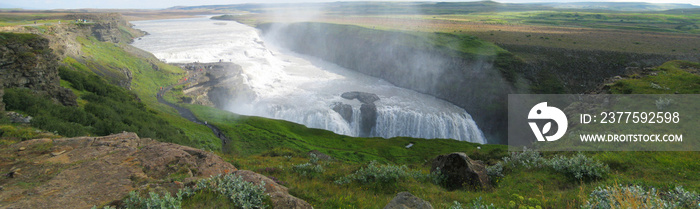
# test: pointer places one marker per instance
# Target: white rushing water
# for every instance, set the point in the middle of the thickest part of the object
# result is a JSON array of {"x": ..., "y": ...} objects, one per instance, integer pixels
[{"x": 300, "y": 88}]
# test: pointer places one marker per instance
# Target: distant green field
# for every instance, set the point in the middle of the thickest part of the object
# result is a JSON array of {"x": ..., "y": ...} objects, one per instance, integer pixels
[{"x": 13, "y": 19}]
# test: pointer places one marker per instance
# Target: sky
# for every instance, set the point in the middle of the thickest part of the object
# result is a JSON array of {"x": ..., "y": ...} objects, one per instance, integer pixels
[{"x": 160, "y": 4}]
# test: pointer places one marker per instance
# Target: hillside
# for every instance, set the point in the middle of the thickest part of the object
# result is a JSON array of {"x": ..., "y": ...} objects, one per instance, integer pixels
[{"x": 317, "y": 166}]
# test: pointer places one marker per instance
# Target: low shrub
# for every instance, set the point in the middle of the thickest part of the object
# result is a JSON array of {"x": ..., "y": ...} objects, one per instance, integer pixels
[
  {"x": 476, "y": 204},
  {"x": 376, "y": 173},
  {"x": 527, "y": 159},
  {"x": 684, "y": 198},
  {"x": 242, "y": 193},
  {"x": 636, "y": 196},
  {"x": 109, "y": 109},
  {"x": 309, "y": 169},
  {"x": 135, "y": 201},
  {"x": 579, "y": 167}
]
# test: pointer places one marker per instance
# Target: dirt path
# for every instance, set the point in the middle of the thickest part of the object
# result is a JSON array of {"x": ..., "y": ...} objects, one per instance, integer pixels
[{"x": 187, "y": 114}]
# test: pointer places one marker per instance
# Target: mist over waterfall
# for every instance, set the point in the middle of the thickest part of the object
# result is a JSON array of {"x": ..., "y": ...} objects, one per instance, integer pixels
[{"x": 285, "y": 85}]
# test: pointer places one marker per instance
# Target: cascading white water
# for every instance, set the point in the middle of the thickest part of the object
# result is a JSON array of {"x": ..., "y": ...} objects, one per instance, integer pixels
[{"x": 300, "y": 88}]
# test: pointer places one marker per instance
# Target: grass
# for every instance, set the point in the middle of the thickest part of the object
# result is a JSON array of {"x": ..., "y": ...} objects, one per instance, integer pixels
[
  {"x": 273, "y": 147},
  {"x": 255, "y": 135},
  {"x": 549, "y": 188},
  {"x": 676, "y": 77},
  {"x": 22, "y": 18}
]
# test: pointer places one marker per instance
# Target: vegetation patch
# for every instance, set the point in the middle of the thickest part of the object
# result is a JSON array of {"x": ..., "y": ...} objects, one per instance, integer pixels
[
  {"x": 578, "y": 167},
  {"x": 239, "y": 193},
  {"x": 674, "y": 77}
]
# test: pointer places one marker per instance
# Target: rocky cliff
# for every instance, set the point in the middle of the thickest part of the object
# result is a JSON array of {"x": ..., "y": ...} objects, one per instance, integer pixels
[
  {"x": 214, "y": 84},
  {"x": 108, "y": 27},
  {"x": 86, "y": 171},
  {"x": 63, "y": 39},
  {"x": 27, "y": 61}
]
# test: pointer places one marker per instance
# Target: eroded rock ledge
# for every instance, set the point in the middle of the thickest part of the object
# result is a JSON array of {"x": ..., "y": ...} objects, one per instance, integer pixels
[{"x": 85, "y": 171}]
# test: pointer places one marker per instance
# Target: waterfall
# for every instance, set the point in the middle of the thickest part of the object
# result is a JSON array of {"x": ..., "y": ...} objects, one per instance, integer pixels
[{"x": 304, "y": 89}]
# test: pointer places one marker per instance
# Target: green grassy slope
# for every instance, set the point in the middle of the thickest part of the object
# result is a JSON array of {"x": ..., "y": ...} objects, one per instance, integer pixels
[
  {"x": 149, "y": 75},
  {"x": 254, "y": 135}
]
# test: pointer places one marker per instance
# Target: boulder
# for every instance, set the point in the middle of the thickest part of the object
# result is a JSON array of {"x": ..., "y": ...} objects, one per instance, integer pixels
[
  {"x": 461, "y": 171},
  {"x": 345, "y": 110},
  {"x": 405, "y": 200},
  {"x": 368, "y": 119},
  {"x": 364, "y": 97}
]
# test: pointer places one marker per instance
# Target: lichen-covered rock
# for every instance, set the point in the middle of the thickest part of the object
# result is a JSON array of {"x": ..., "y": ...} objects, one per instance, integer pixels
[
  {"x": 406, "y": 200},
  {"x": 279, "y": 194},
  {"x": 461, "y": 171}
]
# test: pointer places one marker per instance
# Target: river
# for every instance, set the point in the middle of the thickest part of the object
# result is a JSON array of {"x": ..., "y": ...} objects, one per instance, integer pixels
[{"x": 303, "y": 89}]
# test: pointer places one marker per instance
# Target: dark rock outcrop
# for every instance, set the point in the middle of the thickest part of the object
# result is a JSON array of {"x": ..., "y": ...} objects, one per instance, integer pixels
[
  {"x": 2, "y": 93},
  {"x": 108, "y": 27},
  {"x": 461, "y": 171},
  {"x": 368, "y": 110},
  {"x": 85, "y": 171},
  {"x": 364, "y": 97},
  {"x": 345, "y": 110},
  {"x": 368, "y": 119},
  {"x": 107, "y": 32},
  {"x": 27, "y": 61},
  {"x": 217, "y": 84},
  {"x": 405, "y": 200}
]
